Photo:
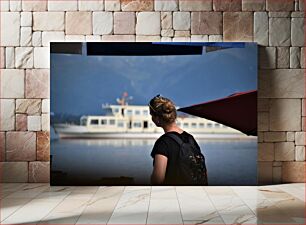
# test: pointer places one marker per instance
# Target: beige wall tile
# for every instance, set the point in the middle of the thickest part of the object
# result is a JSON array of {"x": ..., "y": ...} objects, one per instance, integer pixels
[
  {"x": 300, "y": 153},
  {"x": 264, "y": 173},
  {"x": 5, "y": 5},
  {"x": 295, "y": 57},
  {"x": 279, "y": 32},
  {"x": 14, "y": 172},
  {"x": 119, "y": 38},
  {"x": 238, "y": 26},
  {"x": 41, "y": 57},
  {"x": 253, "y": 5},
  {"x": 102, "y": 23},
  {"x": 112, "y": 5},
  {"x": 181, "y": 21},
  {"x": 143, "y": 28},
  {"x": 91, "y": 5},
  {"x": 2, "y": 146},
  {"x": 166, "y": 20},
  {"x": 7, "y": 114},
  {"x": 39, "y": 172},
  {"x": 21, "y": 122},
  {"x": 2, "y": 57},
  {"x": 275, "y": 136},
  {"x": 206, "y": 23},
  {"x": 293, "y": 172},
  {"x": 52, "y": 36},
  {"x": 28, "y": 106},
  {"x": 265, "y": 152},
  {"x": 263, "y": 121},
  {"x": 24, "y": 57},
  {"x": 137, "y": 5},
  {"x": 284, "y": 151},
  {"x": 12, "y": 83},
  {"x": 202, "y": 5},
  {"x": 45, "y": 122},
  {"x": 285, "y": 115},
  {"x": 283, "y": 57},
  {"x": 20, "y": 146},
  {"x": 37, "y": 39},
  {"x": 34, "y": 5},
  {"x": 10, "y": 29},
  {"x": 300, "y": 138},
  {"x": 143, "y": 38},
  {"x": 43, "y": 146},
  {"x": 45, "y": 105},
  {"x": 124, "y": 22},
  {"x": 281, "y": 83},
  {"x": 267, "y": 57},
  {"x": 34, "y": 123},
  {"x": 26, "y": 36},
  {"x": 297, "y": 32},
  {"x": 37, "y": 83},
  {"x": 261, "y": 28},
  {"x": 280, "y": 5},
  {"x": 26, "y": 19},
  {"x": 78, "y": 23},
  {"x": 169, "y": 5},
  {"x": 229, "y": 5},
  {"x": 290, "y": 136},
  {"x": 57, "y": 5},
  {"x": 48, "y": 21}
]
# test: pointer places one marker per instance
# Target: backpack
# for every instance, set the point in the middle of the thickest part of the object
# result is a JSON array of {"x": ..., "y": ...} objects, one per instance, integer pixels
[{"x": 191, "y": 162}]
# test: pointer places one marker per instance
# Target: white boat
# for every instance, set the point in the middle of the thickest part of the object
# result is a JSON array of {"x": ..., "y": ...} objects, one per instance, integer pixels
[{"x": 134, "y": 121}]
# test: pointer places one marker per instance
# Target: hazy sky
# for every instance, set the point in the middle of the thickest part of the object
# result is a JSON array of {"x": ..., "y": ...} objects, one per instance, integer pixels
[{"x": 80, "y": 84}]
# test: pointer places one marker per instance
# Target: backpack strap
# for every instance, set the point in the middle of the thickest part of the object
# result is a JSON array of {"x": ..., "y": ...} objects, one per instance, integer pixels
[{"x": 175, "y": 138}]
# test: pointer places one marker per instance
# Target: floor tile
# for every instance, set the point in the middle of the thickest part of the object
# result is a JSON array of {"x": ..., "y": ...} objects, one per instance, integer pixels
[
  {"x": 32, "y": 212},
  {"x": 164, "y": 212},
  {"x": 195, "y": 204},
  {"x": 132, "y": 207},
  {"x": 272, "y": 204},
  {"x": 100, "y": 208},
  {"x": 29, "y": 191},
  {"x": 9, "y": 206}
]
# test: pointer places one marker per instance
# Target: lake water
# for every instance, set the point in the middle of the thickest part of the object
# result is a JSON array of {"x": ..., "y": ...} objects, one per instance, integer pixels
[{"x": 86, "y": 162}]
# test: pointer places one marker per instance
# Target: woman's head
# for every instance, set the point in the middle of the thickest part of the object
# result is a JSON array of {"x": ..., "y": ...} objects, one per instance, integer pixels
[{"x": 163, "y": 110}]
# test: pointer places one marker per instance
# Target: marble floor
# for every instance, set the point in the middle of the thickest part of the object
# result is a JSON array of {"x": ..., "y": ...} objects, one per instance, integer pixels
[{"x": 41, "y": 204}]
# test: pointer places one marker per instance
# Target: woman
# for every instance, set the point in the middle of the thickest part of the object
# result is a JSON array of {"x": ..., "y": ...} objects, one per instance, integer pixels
[{"x": 166, "y": 149}]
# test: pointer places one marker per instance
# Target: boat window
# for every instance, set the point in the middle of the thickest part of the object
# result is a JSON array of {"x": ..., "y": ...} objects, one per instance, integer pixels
[
  {"x": 94, "y": 122},
  {"x": 120, "y": 124},
  {"x": 194, "y": 125},
  {"x": 137, "y": 112},
  {"x": 178, "y": 124},
  {"x": 137, "y": 124},
  {"x": 185, "y": 125},
  {"x": 217, "y": 125},
  {"x": 129, "y": 112},
  {"x": 111, "y": 122},
  {"x": 209, "y": 125},
  {"x": 145, "y": 112},
  {"x": 116, "y": 110},
  {"x": 201, "y": 125},
  {"x": 103, "y": 121},
  {"x": 224, "y": 126}
]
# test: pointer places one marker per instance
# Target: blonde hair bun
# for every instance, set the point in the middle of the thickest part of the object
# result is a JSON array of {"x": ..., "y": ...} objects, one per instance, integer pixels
[{"x": 163, "y": 108}]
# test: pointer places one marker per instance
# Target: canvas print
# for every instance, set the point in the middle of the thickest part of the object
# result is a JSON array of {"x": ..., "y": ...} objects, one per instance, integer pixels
[{"x": 153, "y": 113}]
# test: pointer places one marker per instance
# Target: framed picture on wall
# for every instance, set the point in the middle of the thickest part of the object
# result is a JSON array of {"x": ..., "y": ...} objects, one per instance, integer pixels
[{"x": 102, "y": 132}]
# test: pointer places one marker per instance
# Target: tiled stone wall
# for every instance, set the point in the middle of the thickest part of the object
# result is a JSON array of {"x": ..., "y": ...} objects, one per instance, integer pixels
[{"x": 27, "y": 27}]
